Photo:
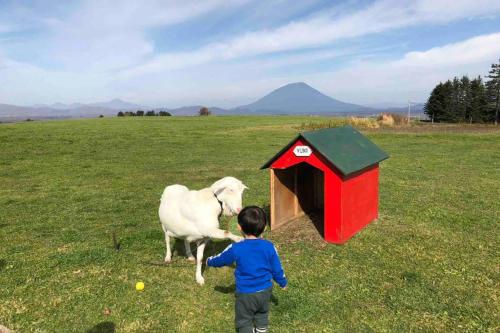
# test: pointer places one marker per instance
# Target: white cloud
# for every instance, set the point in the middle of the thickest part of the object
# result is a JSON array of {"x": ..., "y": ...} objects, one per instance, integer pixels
[
  {"x": 104, "y": 36},
  {"x": 101, "y": 35},
  {"x": 222, "y": 84},
  {"x": 473, "y": 50},
  {"x": 25, "y": 84},
  {"x": 413, "y": 76},
  {"x": 102, "y": 50},
  {"x": 323, "y": 29},
  {"x": 367, "y": 82}
]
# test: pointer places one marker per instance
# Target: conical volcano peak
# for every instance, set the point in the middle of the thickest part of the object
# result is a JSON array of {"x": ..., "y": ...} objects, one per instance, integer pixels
[{"x": 300, "y": 98}]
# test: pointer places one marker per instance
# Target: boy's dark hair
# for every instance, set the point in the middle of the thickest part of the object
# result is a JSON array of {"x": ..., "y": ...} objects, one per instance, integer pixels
[{"x": 252, "y": 220}]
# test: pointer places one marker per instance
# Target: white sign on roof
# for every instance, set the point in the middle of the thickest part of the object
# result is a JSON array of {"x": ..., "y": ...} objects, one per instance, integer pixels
[{"x": 302, "y": 151}]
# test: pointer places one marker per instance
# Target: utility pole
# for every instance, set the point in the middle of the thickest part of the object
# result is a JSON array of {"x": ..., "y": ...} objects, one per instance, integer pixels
[{"x": 409, "y": 111}]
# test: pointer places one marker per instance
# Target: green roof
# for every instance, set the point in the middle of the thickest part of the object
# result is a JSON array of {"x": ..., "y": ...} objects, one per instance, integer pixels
[{"x": 346, "y": 148}]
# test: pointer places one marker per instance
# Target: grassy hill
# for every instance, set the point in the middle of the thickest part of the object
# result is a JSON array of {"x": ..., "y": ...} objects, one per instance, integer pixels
[{"x": 429, "y": 264}]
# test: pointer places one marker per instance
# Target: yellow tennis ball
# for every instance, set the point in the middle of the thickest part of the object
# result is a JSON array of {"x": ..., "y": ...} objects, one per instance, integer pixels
[{"x": 139, "y": 286}]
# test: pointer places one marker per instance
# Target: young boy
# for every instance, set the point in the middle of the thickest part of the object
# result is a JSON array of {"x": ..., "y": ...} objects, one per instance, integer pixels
[{"x": 257, "y": 262}]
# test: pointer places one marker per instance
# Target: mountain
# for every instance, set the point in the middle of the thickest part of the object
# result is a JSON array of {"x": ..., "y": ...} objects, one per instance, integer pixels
[
  {"x": 115, "y": 104},
  {"x": 59, "y": 106},
  {"x": 59, "y": 110},
  {"x": 15, "y": 113},
  {"x": 417, "y": 109},
  {"x": 387, "y": 105},
  {"x": 294, "y": 98},
  {"x": 299, "y": 98},
  {"x": 118, "y": 104}
]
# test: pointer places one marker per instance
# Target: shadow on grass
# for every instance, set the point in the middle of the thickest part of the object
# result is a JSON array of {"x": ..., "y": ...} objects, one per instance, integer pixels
[
  {"x": 215, "y": 247},
  {"x": 3, "y": 263},
  {"x": 104, "y": 327},
  {"x": 179, "y": 254},
  {"x": 212, "y": 248},
  {"x": 226, "y": 290},
  {"x": 232, "y": 288}
]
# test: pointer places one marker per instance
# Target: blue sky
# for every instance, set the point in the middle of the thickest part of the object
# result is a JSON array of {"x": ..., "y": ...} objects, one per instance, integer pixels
[{"x": 226, "y": 53}]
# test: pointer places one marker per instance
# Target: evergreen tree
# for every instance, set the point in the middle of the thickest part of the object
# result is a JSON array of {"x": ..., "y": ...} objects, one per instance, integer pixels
[
  {"x": 430, "y": 107},
  {"x": 493, "y": 93},
  {"x": 434, "y": 108},
  {"x": 466, "y": 100},
  {"x": 456, "y": 100},
  {"x": 447, "y": 103},
  {"x": 479, "y": 103},
  {"x": 465, "y": 103}
]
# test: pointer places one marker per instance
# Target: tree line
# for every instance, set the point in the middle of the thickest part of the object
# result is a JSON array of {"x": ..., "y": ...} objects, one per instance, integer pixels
[
  {"x": 140, "y": 113},
  {"x": 204, "y": 111},
  {"x": 466, "y": 100}
]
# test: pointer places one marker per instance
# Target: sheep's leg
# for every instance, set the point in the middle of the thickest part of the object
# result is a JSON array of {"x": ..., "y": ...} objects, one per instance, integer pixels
[
  {"x": 199, "y": 260},
  {"x": 189, "y": 254},
  {"x": 222, "y": 234},
  {"x": 168, "y": 255}
]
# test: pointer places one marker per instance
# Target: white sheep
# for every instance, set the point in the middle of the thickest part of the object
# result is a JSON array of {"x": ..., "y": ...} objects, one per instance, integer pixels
[{"x": 194, "y": 215}]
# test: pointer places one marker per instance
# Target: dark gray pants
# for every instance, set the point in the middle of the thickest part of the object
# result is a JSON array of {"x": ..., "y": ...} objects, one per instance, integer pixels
[{"x": 252, "y": 310}]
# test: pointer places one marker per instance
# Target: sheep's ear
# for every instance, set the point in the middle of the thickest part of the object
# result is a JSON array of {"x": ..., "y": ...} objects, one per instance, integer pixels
[
  {"x": 245, "y": 187},
  {"x": 219, "y": 186},
  {"x": 219, "y": 191}
]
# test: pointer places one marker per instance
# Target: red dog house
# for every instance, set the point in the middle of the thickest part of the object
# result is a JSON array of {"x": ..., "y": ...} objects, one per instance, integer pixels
[{"x": 332, "y": 172}]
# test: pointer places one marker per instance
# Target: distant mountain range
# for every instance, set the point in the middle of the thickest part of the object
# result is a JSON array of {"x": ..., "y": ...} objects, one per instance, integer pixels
[
  {"x": 59, "y": 110},
  {"x": 118, "y": 104},
  {"x": 115, "y": 104},
  {"x": 13, "y": 113},
  {"x": 416, "y": 109},
  {"x": 292, "y": 99}
]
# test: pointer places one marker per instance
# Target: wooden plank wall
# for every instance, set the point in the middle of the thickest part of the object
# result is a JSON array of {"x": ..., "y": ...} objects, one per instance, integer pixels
[{"x": 284, "y": 205}]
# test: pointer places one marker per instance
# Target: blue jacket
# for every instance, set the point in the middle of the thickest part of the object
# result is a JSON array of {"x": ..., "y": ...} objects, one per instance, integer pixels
[{"x": 257, "y": 262}]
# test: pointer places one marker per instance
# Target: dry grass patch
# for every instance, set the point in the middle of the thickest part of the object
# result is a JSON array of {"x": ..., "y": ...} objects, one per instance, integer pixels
[
  {"x": 392, "y": 119},
  {"x": 358, "y": 122}
]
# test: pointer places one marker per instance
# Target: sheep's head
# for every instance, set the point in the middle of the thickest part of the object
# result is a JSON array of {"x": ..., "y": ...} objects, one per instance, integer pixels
[{"x": 229, "y": 191}]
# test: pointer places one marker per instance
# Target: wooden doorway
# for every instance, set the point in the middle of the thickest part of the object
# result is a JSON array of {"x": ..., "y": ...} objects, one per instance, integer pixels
[{"x": 295, "y": 192}]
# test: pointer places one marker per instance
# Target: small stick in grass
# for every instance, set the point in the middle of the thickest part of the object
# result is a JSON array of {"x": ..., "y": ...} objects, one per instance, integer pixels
[{"x": 116, "y": 243}]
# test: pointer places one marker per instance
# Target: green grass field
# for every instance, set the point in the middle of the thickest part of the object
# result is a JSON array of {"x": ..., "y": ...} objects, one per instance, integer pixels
[{"x": 429, "y": 264}]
